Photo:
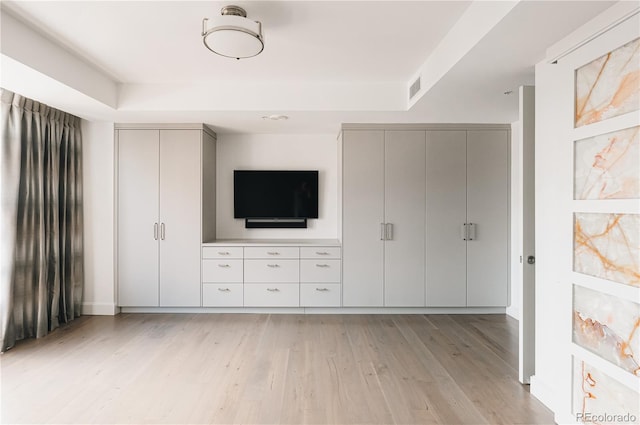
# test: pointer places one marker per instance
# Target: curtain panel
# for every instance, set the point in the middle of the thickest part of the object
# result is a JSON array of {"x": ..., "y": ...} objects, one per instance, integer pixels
[{"x": 41, "y": 257}]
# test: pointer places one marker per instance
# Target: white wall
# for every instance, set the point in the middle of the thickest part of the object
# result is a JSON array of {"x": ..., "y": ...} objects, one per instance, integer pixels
[
  {"x": 554, "y": 205},
  {"x": 516, "y": 221},
  {"x": 98, "y": 178},
  {"x": 278, "y": 152}
]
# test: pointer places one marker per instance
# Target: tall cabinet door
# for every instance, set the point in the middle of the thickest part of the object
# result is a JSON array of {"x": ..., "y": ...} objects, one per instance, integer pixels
[
  {"x": 487, "y": 210},
  {"x": 405, "y": 191},
  {"x": 446, "y": 215},
  {"x": 138, "y": 223},
  {"x": 363, "y": 216},
  {"x": 180, "y": 218}
]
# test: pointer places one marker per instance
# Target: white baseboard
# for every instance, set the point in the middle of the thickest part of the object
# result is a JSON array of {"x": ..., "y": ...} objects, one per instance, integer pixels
[
  {"x": 318, "y": 310},
  {"x": 100, "y": 309},
  {"x": 513, "y": 312},
  {"x": 543, "y": 392}
]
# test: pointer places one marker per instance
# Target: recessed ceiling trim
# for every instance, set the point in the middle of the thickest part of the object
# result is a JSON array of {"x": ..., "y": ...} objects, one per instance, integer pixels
[{"x": 415, "y": 88}]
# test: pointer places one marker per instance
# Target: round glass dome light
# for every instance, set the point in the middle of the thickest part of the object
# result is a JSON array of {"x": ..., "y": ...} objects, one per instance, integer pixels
[{"x": 232, "y": 34}]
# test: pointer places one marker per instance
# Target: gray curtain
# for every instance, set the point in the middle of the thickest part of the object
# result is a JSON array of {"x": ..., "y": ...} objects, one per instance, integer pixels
[{"x": 41, "y": 256}]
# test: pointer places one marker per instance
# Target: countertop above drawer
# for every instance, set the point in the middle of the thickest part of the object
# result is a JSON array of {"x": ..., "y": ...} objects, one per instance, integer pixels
[{"x": 273, "y": 242}]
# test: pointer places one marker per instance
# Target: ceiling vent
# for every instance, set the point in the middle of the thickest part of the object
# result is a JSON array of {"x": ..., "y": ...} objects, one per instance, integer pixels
[{"x": 415, "y": 88}]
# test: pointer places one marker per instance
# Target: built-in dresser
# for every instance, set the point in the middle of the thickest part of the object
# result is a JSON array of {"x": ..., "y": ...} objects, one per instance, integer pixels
[{"x": 272, "y": 273}]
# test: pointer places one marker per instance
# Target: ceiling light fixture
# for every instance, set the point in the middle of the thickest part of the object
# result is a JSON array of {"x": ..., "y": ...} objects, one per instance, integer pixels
[{"x": 233, "y": 35}]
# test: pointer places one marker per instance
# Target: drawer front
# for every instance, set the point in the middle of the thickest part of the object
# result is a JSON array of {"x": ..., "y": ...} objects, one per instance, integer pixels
[
  {"x": 272, "y": 252},
  {"x": 320, "y": 252},
  {"x": 283, "y": 271},
  {"x": 222, "y": 252},
  {"x": 320, "y": 295},
  {"x": 229, "y": 271},
  {"x": 222, "y": 295},
  {"x": 271, "y": 295},
  {"x": 320, "y": 271}
]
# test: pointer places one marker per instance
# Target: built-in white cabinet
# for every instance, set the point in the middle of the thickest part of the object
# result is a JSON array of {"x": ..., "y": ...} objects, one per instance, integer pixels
[
  {"x": 276, "y": 275},
  {"x": 446, "y": 217},
  {"x": 467, "y": 218},
  {"x": 222, "y": 277},
  {"x": 425, "y": 216},
  {"x": 404, "y": 212},
  {"x": 320, "y": 276},
  {"x": 423, "y": 220},
  {"x": 488, "y": 218},
  {"x": 362, "y": 218},
  {"x": 160, "y": 216},
  {"x": 383, "y": 196}
]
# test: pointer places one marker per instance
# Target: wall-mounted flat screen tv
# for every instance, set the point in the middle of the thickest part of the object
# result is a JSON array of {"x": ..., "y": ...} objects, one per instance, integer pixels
[{"x": 275, "y": 194}]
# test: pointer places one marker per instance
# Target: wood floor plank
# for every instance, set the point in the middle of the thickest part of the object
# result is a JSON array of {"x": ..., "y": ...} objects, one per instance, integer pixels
[{"x": 270, "y": 369}]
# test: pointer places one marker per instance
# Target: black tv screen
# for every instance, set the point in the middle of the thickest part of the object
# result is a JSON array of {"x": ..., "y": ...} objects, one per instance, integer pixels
[{"x": 275, "y": 194}]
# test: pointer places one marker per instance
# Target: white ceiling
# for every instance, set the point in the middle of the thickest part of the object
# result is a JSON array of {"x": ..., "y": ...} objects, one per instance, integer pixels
[{"x": 325, "y": 62}]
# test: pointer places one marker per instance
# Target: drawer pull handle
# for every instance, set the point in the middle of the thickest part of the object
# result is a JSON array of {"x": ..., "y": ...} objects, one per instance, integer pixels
[
  {"x": 322, "y": 289},
  {"x": 273, "y": 266},
  {"x": 273, "y": 253},
  {"x": 322, "y": 253},
  {"x": 223, "y": 252},
  {"x": 322, "y": 265},
  {"x": 273, "y": 290},
  {"x": 224, "y": 289},
  {"x": 224, "y": 265}
]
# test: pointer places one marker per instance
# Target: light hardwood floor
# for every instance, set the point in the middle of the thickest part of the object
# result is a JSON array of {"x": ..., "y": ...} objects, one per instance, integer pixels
[{"x": 268, "y": 369}]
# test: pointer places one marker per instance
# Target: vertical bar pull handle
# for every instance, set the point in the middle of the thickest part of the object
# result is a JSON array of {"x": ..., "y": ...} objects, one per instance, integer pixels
[
  {"x": 155, "y": 231},
  {"x": 472, "y": 231},
  {"x": 389, "y": 231},
  {"x": 162, "y": 231},
  {"x": 382, "y": 229},
  {"x": 463, "y": 231}
]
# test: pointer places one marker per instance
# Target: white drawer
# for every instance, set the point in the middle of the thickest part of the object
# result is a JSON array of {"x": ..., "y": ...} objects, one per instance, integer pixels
[
  {"x": 222, "y": 271},
  {"x": 271, "y": 295},
  {"x": 272, "y": 252},
  {"x": 283, "y": 271},
  {"x": 222, "y": 295},
  {"x": 222, "y": 252},
  {"x": 320, "y": 252},
  {"x": 320, "y": 271},
  {"x": 320, "y": 295}
]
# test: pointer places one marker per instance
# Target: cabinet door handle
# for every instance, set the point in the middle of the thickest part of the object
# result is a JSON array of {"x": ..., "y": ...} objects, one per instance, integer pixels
[
  {"x": 322, "y": 253},
  {"x": 382, "y": 231},
  {"x": 224, "y": 265},
  {"x": 322, "y": 289},
  {"x": 389, "y": 231},
  {"x": 273, "y": 253},
  {"x": 273, "y": 266},
  {"x": 155, "y": 231},
  {"x": 162, "y": 231},
  {"x": 322, "y": 265},
  {"x": 273, "y": 290},
  {"x": 223, "y": 253},
  {"x": 463, "y": 231},
  {"x": 472, "y": 231},
  {"x": 224, "y": 289}
]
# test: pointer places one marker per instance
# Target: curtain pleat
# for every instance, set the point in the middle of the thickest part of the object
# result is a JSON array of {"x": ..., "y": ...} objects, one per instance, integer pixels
[{"x": 42, "y": 224}]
